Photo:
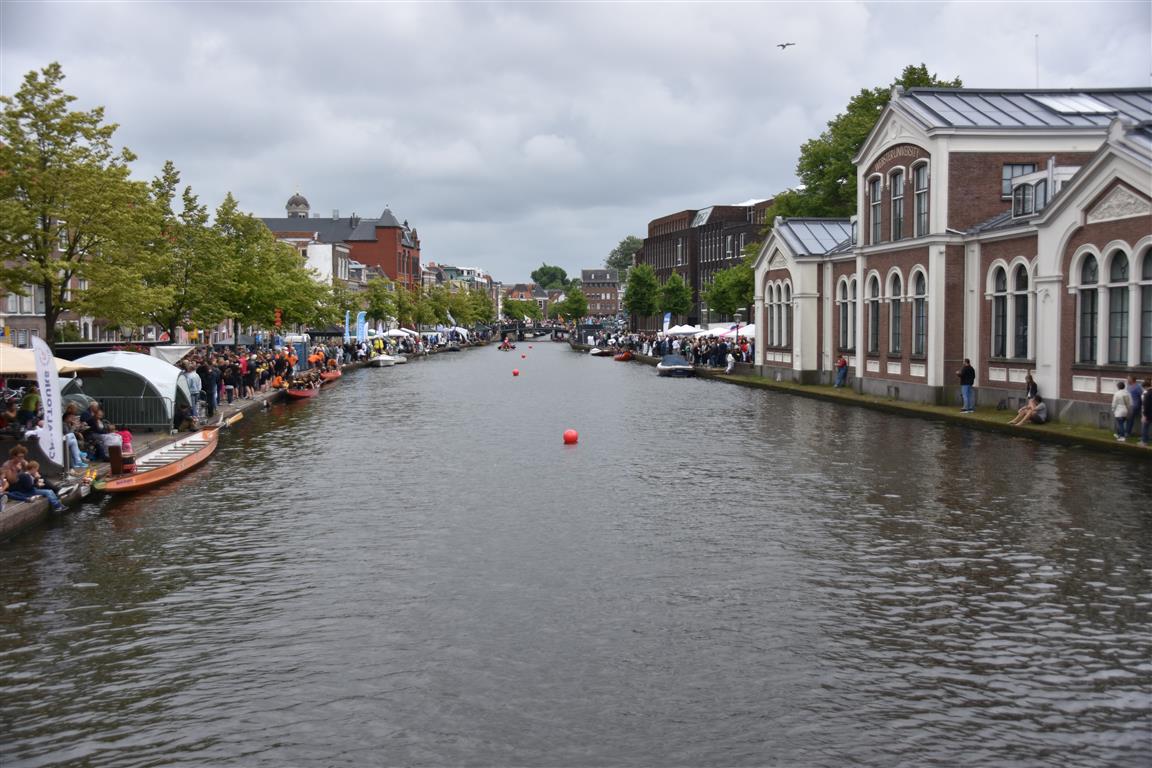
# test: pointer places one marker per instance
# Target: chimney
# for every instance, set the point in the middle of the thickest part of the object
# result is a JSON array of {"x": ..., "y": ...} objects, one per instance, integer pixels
[{"x": 335, "y": 214}]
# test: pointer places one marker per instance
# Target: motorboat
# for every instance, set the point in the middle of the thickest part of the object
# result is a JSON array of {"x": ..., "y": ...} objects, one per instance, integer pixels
[
  {"x": 674, "y": 365},
  {"x": 597, "y": 352},
  {"x": 381, "y": 361},
  {"x": 163, "y": 463}
]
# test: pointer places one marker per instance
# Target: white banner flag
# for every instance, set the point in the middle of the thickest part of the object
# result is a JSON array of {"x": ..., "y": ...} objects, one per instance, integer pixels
[{"x": 52, "y": 436}]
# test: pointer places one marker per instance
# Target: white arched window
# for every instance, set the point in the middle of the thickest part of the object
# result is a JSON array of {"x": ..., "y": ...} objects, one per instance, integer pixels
[
  {"x": 897, "y": 182},
  {"x": 786, "y": 316},
  {"x": 1020, "y": 312},
  {"x": 1146, "y": 309},
  {"x": 1087, "y": 309},
  {"x": 920, "y": 190},
  {"x": 999, "y": 313},
  {"x": 919, "y": 315},
  {"x": 1118, "y": 309},
  {"x": 843, "y": 314},
  {"x": 873, "y": 315},
  {"x": 875, "y": 203},
  {"x": 895, "y": 312},
  {"x": 852, "y": 314}
]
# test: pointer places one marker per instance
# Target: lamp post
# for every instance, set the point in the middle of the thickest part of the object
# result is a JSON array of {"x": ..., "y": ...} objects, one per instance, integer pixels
[{"x": 736, "y": 336}]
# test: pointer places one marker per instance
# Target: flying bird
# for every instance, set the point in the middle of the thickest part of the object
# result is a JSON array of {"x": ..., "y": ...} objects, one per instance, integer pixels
[{"x": 782, "y": 46}]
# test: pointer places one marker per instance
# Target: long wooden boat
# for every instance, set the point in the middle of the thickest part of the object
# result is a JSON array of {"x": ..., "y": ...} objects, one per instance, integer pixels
[
  {"x": 302, "y": 393},
  {"x": 164, "y": 463},
  {"x": 331, "y": 375}
]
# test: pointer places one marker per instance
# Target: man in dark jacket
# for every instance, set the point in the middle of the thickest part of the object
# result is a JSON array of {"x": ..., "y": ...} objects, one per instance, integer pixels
[{"x": 967, "y": 375}]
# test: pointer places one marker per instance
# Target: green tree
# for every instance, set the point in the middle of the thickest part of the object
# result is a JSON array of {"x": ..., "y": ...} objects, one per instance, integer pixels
[
  {"x": 483, "y": 308},
  {"x": 515, "y": 309},
  {"x": 575, "y": 305},
  {"x": 620, "y": 258},
  {"x": 732, "y": 289},
  {"x": 675, "y": 296},
  {"x": 641, "y": 292},
  {"x": 548, "y": 276},
  {"x": 380, "y": 299},
  {"x": 65, "y": 194},
  {"x": 825, "y": 166}
]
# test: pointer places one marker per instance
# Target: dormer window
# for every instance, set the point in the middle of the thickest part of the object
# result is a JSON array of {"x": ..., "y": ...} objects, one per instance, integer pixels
[
  {"x": 1022, "y": 200},
  {"x": 1040, "y": 196}
]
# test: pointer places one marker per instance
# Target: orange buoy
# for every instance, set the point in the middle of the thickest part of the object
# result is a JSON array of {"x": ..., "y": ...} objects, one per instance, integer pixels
[
  {"x": 515, "y": 371},
  {"x": 571, "y": 436}
]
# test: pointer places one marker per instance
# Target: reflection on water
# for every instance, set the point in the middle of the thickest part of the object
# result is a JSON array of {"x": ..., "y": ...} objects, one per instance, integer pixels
[{"x": 413, "y": 570}]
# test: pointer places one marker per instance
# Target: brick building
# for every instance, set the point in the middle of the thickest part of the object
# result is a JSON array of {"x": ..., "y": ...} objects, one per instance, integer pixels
[
  {"x": 1013, "y": 228},
  {"x": 602, "y": 289},
  {"x": 696, "y": 244},
  {"x": 383, "y": 243}
]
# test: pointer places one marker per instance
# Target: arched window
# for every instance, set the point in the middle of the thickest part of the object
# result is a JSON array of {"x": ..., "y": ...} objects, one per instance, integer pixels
[
  {"x": 786, "y": 318},
  {"x": 874, "y": 205},
  {"x": 898, "y": 205},
  {"x": 1089, "y": 275},
  {"x": 1146, "y": 310},
  {"x": 873, "y": 315},
  {"x": 1020, "y": 312},
  {"x": 852, "y": 314},
  {"x": 919, "y": 316},
  {"x": 1118, "y": 309},
  {"x": 1022, "y": 200},
  {"x": 920, "y": 187},
  {"x": 770, "y": 315},
  {"x": 843, "y": 315},
  {"x": 999, "y": 313},
  {"x": 894, "y": 313}
]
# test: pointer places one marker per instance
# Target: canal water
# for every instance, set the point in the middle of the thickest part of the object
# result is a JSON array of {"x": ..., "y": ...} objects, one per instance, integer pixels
[{"x": 413, "y": 570}]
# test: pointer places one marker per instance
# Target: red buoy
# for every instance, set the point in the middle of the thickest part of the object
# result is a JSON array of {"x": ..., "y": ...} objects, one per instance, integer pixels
[
  {"x": 571, "y": 436},
  {"x": 523, "y": 357},
  {"x": 529, "y": 346},
  {"x": 515, "y": 371}
]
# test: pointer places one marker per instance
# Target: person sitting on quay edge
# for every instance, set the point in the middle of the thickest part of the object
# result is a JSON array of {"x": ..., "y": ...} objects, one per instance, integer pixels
[
  {"x": 25, "y": 488},
  {"x": 14, "y": 465},
  {"x": 1035, "y": 411},
  {"x": 183, "y": 420}
]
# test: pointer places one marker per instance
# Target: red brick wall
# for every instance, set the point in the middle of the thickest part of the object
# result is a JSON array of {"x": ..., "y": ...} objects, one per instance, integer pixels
[
  {"x": 906, "y": 261},
  {"x": 903, "y": 155},
  {"x": 1005, "y": 250},
  {"x": 1099, "y": 234},
  {"x": 974, "y": 181}
]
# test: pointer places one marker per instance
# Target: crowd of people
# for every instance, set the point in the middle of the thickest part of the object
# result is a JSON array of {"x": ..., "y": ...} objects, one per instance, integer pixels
[{"x": 710, "y": 351}]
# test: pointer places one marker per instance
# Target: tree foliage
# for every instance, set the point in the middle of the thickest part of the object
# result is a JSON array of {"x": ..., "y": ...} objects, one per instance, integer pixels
[
  {"x": 641, "y": 292},
  {"x": 675, "y": 296},
  {"x": 65, "y": 194},
  {"x": 515, "y": 309},
  {"x": 620, "y": 258},
  {"x": 574, "y": 306},
  {"x": 825, "y": 166},
  {"x": 548, "y": 276},
  {"x": 732, "y": 289}
]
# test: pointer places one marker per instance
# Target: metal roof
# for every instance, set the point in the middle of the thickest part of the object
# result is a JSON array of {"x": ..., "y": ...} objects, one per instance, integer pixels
[
  {"x": 1078, "y": 108},
  {"x": 814, "y": 237}
]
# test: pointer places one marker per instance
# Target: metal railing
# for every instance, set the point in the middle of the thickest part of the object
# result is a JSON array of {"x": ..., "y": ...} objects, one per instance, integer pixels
[{"x": 143, "y": 414}]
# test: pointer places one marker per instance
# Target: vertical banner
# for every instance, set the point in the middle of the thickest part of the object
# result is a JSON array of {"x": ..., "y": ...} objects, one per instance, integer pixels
[
  {"x": 52, "y": 436},
  {"x": 361, "y": 326},
  {"x": 667, "y": 320},
  {"x": 347, "y": 319}
]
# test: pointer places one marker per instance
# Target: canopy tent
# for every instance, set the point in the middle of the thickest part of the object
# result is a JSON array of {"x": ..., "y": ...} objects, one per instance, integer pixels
[
  {"x": 397, "y": 333},
  {"x": 134, "y": 389},
  {"x": 747, "y": 331},
  {"x": 173, "y": 353},
  {"x": 462, "y": 331},
  {"x": 682, "y": 330},
  {"x": 15, "y": 361}
]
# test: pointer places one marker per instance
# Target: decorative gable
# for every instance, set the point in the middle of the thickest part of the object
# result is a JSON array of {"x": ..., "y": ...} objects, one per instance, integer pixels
[{"x": 1120, "y": 203}]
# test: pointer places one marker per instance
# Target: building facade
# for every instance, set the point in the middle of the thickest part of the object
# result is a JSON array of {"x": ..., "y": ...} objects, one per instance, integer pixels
[
  {"x": 1011, "y": 228},
  {"x": 383, "y": 243},
  {"x": 601, "y": 287}
]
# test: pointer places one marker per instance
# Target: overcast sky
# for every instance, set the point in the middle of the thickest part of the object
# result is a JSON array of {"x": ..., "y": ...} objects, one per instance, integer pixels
[{"x": 513, "y": 134}]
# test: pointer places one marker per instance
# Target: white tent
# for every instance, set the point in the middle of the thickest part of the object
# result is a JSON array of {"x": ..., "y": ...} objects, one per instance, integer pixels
[
  {"x": 747, "y": 331},
  {"x": 172, "y": 353},
  {"x": 138, "y": 390},
  {"x": 682, "y": 330}
]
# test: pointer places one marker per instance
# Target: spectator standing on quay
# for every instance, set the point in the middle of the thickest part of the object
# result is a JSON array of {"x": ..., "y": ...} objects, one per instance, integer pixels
[
  {"x": 841, "y": 371},
  {"x": 967, "y": 375},
  {"x": 193, "y": 388},
  {"x": 1121, "y": 407},
  {"x": 1146, "y": 413},
  {"x": 1136, "y": 392}
]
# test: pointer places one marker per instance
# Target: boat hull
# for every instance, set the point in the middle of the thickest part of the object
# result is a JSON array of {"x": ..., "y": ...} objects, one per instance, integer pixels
[
  {"x": 186, "y": 454},
  {"x": 623, "y": 357},
  {"x": 301, "y": 394},
  {"x": 328, "y": 376}
]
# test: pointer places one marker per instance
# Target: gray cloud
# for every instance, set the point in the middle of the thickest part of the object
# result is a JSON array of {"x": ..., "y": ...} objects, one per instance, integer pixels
[{"x": 515, "y": 134}]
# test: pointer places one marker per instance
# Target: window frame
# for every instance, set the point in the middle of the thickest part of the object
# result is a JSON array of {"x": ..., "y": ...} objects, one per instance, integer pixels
[
  {"x": 896, "y": 199},
  {"x": 1009, "y": 171},
  {"x": 875, "y": 209},
  {"x": 1087, "y": 310},
  {"x": 920, "y": 199},
  {"x": 919, "y": 314},
  {"x": 895, "y": 312}
]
